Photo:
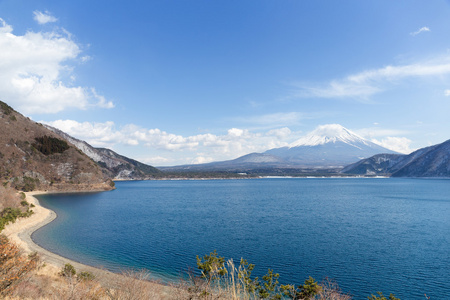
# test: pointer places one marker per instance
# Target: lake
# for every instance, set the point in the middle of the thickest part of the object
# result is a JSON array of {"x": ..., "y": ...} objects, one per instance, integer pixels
[{"x": 367, "y": 234}]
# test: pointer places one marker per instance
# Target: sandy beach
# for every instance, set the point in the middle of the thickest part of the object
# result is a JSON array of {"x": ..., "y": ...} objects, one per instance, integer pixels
[{"x": 20, "y": 233}]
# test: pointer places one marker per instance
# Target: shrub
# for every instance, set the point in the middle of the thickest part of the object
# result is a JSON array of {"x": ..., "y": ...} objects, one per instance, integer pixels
[
  {"x": 9, "y": 214},
  {"x": 6, "y": 108},
  {"x": 29, "y": 184},
  {"x": 308, "y": 290},
  {"x": 211, "y": 265},
  {"x": 85, "y": 276},
  {"x": 68, "y": 271},
  {"x": 381, "y": 297},
  {"x": 49, "y": 145}
]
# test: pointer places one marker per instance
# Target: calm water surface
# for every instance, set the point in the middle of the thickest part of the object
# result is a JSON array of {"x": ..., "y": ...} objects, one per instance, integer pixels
[{"x": 390, "y": 235}]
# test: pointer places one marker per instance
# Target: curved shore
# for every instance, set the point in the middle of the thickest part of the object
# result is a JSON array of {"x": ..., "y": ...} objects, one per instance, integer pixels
[{"x": 20, "y": 233}]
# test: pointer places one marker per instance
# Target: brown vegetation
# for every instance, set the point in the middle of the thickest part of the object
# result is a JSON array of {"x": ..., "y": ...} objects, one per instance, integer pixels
[
  {"x": 35, "y": 158},
  {"x": 14, "y": 267}
]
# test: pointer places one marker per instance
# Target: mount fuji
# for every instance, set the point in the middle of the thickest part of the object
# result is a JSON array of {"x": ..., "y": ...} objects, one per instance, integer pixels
[{"x": 327, "y": 147}]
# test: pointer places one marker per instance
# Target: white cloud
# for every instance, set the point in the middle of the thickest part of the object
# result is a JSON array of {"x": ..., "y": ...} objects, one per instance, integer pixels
[
  {"x": 169, "y": 148},
  {"x": 388, "y": 138},
  {"x": 447, "y": 93},
  {"x": 31, "y": 73},
  {"x": 101, "y": 100},
  {"x": 158, "y": 160},
  {"x": 367, "y": 83},
  {"x": 280, "y": 133},
  {"x": 399, "y": 144},
  {"x": 202, "y": 160},
  {"x": 44, "y": 17},
  {"x": 97, "y": 134},
  {"x": 86, "y": 58},
  {"x": 423, "y": 29}
]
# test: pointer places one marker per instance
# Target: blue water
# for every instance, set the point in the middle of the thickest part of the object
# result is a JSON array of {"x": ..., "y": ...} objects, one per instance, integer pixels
[{"x": 390, "y": 235}]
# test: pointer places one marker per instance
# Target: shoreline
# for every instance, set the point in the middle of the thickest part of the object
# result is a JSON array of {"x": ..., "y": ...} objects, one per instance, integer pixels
[{"x": 20, "y": 233}]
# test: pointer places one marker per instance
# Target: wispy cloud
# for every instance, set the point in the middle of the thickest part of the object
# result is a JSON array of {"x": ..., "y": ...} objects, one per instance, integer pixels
[
  {"x": 423, "y": 29},
  {"x": 44, "y": 17},
  {"x": 31, "y": 73},
  {"x": 367, "y": 83},
  {"x": 447, "y": 93}
]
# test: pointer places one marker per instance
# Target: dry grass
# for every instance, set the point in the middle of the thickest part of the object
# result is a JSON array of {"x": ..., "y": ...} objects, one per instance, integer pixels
[
  {"x": 24, "y": 277},
  {"x": 8, "y": 197},
  {"x": 15, "y": 268},
  {"x": 133, "y": 285}
]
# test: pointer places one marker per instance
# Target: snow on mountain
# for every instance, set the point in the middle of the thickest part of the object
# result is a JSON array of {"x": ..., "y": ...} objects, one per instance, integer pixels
[
  {"x": 329, "y": 145},
  {"x": 330, "y": 133}
]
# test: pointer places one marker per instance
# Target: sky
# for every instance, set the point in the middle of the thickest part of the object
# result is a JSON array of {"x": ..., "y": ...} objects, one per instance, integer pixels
[{"x": 180, "y": 82}]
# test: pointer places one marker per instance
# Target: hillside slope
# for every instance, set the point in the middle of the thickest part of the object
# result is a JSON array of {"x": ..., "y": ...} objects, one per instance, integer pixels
[
  {"x": 433, "y": 161},
  {"x": 34, "y": 158},
  {"x": 113, "y": 164}
]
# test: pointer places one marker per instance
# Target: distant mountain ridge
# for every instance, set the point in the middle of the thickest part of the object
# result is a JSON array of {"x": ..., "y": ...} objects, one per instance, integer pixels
[
  {"x": 328, "y": 146},
  {"x": 114, "y": 165},
  {"x": 433, "y": 161}
]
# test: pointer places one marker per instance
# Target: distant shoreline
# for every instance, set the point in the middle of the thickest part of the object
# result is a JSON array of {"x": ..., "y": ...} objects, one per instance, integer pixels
[{"x": 258, "y": 177}]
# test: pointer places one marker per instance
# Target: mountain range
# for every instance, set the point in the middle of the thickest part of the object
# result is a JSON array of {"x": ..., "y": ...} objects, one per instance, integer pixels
[
  {"x": 327, "y": 147},
  {"x": 433, "y": 161},
  {"x": 36, "y": 156}
]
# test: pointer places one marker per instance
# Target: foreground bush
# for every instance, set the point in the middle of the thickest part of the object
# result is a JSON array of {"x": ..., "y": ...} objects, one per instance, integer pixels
[
  {"x": 224, "y": 280},
  {"x": 14, "y": 267}
]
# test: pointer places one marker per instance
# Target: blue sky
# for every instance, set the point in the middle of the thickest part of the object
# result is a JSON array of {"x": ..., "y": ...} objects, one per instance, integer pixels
[{"x": 174, "y": 82}]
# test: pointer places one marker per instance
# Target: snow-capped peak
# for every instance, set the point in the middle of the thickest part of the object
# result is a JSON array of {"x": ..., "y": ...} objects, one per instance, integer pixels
[{"x": 330, "y": 133}]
